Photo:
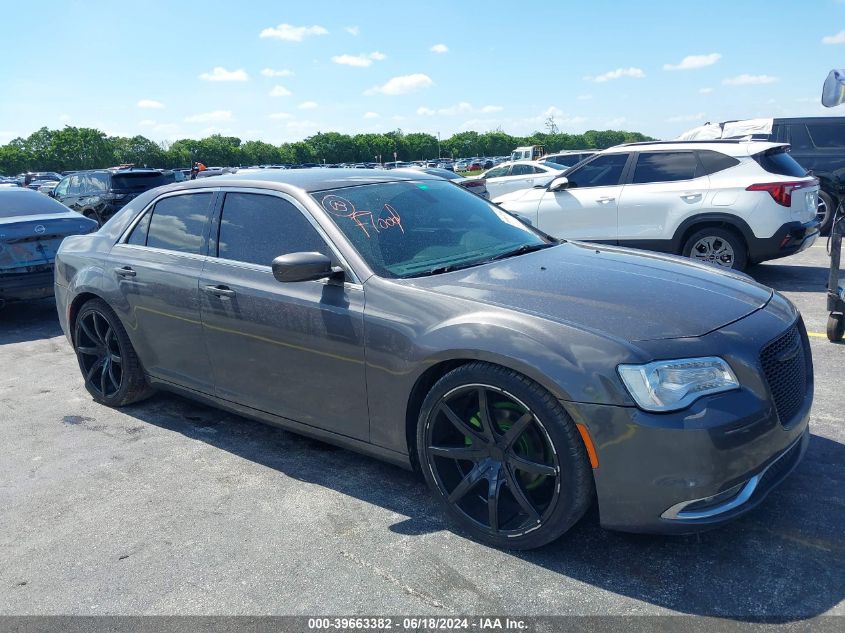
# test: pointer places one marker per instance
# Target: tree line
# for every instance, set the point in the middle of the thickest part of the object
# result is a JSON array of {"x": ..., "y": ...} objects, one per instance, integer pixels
[{"x": 75, "y": 148}]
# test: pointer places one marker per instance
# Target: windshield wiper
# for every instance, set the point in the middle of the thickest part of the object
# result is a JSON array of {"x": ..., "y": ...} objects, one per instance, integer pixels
[{"x": 522, "y": 250}]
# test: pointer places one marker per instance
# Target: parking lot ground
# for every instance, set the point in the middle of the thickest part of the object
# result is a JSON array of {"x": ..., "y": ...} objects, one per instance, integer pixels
[{"x": 168, "y": 507}]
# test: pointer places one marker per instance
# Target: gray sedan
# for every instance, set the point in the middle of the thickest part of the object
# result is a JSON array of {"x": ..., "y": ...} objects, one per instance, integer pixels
[{"x": 396, "y": 314}]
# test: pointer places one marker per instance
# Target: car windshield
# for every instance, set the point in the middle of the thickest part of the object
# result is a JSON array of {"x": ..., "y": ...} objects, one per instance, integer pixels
[{"x": 416, "y": 228}]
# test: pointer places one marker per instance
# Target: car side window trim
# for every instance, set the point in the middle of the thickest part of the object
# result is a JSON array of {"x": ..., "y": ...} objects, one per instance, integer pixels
[
  {"x": 352, "y": 278},
  {"x": 149, "y": 209}
]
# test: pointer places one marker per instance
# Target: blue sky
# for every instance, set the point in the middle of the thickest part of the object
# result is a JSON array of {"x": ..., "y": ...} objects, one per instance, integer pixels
[{"x": 280, "y": 71}]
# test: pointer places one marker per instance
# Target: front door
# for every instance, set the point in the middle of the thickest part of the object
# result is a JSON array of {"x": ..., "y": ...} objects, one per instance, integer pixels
[
  {"x": 155, "y": 273},
  {"x": 291, "y": 349},
  {"x": 586, "y": 209}
]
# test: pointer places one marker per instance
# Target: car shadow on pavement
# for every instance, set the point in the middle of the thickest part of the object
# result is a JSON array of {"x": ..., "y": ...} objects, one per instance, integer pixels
[
  {"x": 28, "y": 321},
  {"x": 785, "y": 561},
  {"x": 786, "y": 278}
]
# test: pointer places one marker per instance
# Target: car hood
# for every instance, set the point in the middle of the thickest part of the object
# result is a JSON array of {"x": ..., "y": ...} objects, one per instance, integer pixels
[
  {"x": 523, "y": 195},
  {"x": 627, "y": 294}
]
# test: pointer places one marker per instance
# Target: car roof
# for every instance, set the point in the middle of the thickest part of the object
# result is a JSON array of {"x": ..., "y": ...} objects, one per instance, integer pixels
[
  {"x": 732, "y": 147},
  {"x": 314, "y": 179}
]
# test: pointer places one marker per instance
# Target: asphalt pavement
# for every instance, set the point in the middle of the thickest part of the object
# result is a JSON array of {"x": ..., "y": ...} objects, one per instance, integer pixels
[{"x": 169, "y": 507}]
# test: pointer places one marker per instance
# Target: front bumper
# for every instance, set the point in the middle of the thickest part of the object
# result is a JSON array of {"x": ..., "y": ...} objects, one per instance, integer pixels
[
  {"x": 789, "y": 239},
  {"x": 695, "y": 469}
]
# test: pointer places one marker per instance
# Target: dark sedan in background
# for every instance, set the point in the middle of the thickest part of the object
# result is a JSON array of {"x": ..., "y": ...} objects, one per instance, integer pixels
[
  {"x": 478, "y": 186},
  {"x": 31, "y": 228},
  {"x": 397, "y": 314}
]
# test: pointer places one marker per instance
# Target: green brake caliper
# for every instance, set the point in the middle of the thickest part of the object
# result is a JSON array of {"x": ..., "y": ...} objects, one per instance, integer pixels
[{"x": 526, "y": 446}]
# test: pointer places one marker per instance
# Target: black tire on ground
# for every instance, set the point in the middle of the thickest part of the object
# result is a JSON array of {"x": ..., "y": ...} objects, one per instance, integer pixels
[
  {"x": 827, "y": 209},
  {"x": 108, "y": 362},
  {"x": 835, "y": 327},
  {"x": 533, "y": 454},
  {"x": 717, "y": 246}
]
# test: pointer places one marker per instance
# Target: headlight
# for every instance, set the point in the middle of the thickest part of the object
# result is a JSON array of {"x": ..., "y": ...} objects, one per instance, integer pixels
[{"x": 668, "y": 385}]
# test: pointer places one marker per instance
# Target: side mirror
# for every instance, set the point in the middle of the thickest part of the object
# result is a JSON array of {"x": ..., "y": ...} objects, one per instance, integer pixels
[
  {"x": 559, "y": 184},
  {"x": 303, "y": 267}
]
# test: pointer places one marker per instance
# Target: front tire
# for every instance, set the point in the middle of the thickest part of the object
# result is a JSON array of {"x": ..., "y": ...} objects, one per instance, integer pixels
[
  {"x": 108, "y": 362},
  {"x": 502, "y": 457},
  {"x": 718, "y": 247}
]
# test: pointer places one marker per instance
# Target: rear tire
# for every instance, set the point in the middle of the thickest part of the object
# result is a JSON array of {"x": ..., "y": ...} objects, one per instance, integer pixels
[
  {"x": 826, "y": 211},
  {"x": 502, "y": 457},
  {"x": 717, "y": 246},
  {"x": 835, "y": 327},
  {"x": 108, "y": 362}
]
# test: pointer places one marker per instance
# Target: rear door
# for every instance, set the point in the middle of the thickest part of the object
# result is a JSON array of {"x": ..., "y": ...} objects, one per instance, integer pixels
[
  {"x": 294, "y": 350},
  {"x": 664, "y": 189},
  {"x": 155, "y": 273},
  {"x": 587, "y": 209}
]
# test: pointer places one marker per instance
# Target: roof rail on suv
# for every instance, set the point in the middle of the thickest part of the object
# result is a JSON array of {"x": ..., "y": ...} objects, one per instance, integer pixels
[{"x": 676, "y": 142}]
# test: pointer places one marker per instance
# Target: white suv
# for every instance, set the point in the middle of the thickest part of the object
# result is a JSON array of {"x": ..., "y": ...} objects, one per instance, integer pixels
[{"x": 730, "y": 203}]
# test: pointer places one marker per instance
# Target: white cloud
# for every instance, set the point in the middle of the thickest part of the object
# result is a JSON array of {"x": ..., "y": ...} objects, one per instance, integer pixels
[
  {"x": 748, "y": 80},
  {"x": 215, "y": 116},
  {"x": 439, "y": 48},
  {"x": 361, "y": 61},
  {"x": 371, "y": 115},
  {"x": 584, "y": 97},
  {"x": 620, "y": 120},
  {"x": 221, "y": 74},
  {"x": 839, "y": 38},
  {"x": 147, "y": 123},
  {"x": 150, "y": 104},
  {"x": 633, "y": 71},
  {"x": 552, "y": 111},
  {"x": 280, "y": 115},
  {"x": 307, "y": 105},
  {"x": 691, "y": 62},
  {"x": 64, "y": 118},
  {"x": 270, "y": 72},
  {"x": 705, "y": 91},
  {"x": 291, "y": 33},
  {"x": 489, "y": 109},
  {"x": 459, "y": 108},
  {"x": 423, "y": 111},
  {"x": 402, "y": 84},
  {"x": 352, "y": 30},
  {"x": 686, "y": 118},
  {"x": 280, "y": 91}
]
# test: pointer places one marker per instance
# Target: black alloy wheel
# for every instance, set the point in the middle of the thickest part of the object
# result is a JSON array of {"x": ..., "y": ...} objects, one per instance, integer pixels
[
  {"x": 99, "y": 354},
  {"x": 495, "y": 464},
  {"x": 107, "y": 360}
]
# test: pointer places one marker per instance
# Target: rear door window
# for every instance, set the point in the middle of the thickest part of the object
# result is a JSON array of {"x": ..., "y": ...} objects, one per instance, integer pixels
[
  {"x": 497, "y": 172},
  {"x": 778, "y": 161},
  {"x": 256, "y": 229},
  {"x": 522, "y": 170},
  {"x": 715, "y": 161},
  {"x": 827, "y": 135},
  {"x": 180, "y": 223},
  {"x": 604, "y": 171},
  {"x": 665, "y": 167}
]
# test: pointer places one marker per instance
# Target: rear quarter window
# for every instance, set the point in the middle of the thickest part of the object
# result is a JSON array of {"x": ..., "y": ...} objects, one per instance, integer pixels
[{"x": 778, "y": 161}]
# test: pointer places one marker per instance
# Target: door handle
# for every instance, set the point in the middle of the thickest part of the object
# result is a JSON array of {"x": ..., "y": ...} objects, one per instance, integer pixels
[
  {"x": 606, "y": 199},
  {"x": 220, "y": 291},
  {"x": 126, "y": 271},
  {"x": 689, "y": 195}
]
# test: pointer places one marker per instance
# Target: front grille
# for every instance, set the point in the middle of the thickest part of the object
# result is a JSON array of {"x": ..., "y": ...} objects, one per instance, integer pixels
[{"x": 788, "y": 368}]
